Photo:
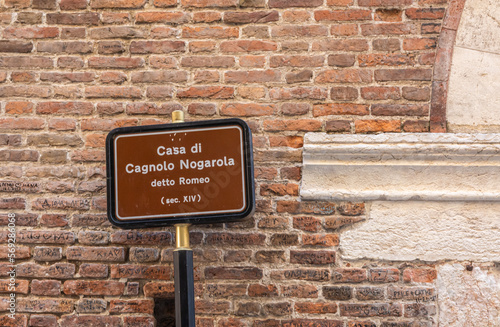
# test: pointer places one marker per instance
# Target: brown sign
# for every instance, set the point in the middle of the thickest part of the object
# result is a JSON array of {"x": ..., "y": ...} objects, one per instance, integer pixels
[{"x": 180, "y": 173}]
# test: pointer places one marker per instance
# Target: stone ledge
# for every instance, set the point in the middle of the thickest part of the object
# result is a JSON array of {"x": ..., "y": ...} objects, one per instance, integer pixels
[{"x": 398, "y": 167}]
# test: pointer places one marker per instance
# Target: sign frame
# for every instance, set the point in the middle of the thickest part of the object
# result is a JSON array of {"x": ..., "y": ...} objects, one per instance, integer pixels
[{"x": 187, "y": 218}]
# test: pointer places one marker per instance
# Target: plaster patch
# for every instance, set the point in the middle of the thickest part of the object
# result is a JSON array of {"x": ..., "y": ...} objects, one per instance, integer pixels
[
  {"x": 479, "y": 27},
  {"x": 468, "y": 298},
  {"x": 473, "y": 97},
  {"x": 426, "y": 230}
]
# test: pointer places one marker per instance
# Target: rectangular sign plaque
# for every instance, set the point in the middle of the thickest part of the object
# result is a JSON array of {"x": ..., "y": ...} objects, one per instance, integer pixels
[{"x": 195, "y": 172}]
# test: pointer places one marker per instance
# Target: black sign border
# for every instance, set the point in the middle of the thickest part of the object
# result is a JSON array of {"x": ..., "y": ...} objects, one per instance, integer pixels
[{"x": 192, "y": 219}]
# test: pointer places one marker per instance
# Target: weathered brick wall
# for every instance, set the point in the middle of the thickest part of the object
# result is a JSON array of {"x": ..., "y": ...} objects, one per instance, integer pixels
[{"x": 72, "y": 70}]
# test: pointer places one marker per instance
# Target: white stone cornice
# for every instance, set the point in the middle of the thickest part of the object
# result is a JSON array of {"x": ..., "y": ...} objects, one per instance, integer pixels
[{"x": 407, "y": 166}]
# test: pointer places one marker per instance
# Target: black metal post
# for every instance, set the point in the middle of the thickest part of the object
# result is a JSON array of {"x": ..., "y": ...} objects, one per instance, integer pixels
[{"x": 184, "y": 288}]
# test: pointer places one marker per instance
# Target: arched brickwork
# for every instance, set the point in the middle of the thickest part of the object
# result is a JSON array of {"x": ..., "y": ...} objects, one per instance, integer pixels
[{"x": 442, "y": 65}]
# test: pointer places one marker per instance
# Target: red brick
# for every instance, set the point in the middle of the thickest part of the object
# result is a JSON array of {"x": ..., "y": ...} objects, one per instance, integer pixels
[
  {"x": 305, "y": 125},
  {"x": 115, "y": 63},
  {"x": 299, "y": 31},
  {"x": 17, "y": 3},
  {"x": 19, "y": 320},
  {"x": 349, "y": 275},
  {"x": 26, "y": 62},
  {"x": 132, "y": 306},
  {"x": 409, "y": 74},
  {"x": 19, "y": 155},
  {"x": 259, "y": 290},
  {"x": 339, "y": 3},
  {"x": 253, "y": 76},
  {"x": 312, "y": 257},
  {"x": 54, "y": 220},
  {"x": 370, "y": 310},
  {"x": 113, "y": 78},
  {"x": 159, "y": 76},
  {"x": 70, "y": 62},
  {"x": 122, "y": 4},
  {"x": 254, "y": 17},
  {"x": 370, "y": 293},
  {"x": 115, "y": 18},
  {"x": 44, "y": 4},
  {"x": 83, "y": 287},
  {"x": 377, "y": 125},
  {"x": 354, "y": 45},
  {"x": 248, "y": 46},
  {"x": 93, "y": 270},
  {"x": 416, "y": 126},
  {"x": 115, "y": 32},
  {"x": 85, "y": 18},
  {"x": 16, "y": 46},
  {"x": 42, "y": 320},
  {"x": 209, "y": 3},
  {"x": 388, "y": 29},
  {"x": 57, "y": 271},
  {"x": 425, "y": 13},
  {"x": 202, "y": 109},
  {"x": 299, "y": 92},
  {"x": 207, "y": 17},
  {"x": 340, "y": 109},
  {"x": 342, "y": 15},
  {"x": 144, "y": 47},
  {"x": 30, "y": 32},
  {"x": 296, "y": 16},
  {"x": 110, "y": 47},
  {"x": 388, "y": 15},
  {"x": 25, "y": 91},
  {"x": 300, "y": 291},
  {"x": 344, "y": 76},
  {"x": 208, "y": 62},
  {"x": 233, "y": 273},
  {"x": 73, "y": 4},
  {"x": 163, "y": 32},
  {"x": 169, "y": 17},
  {"x": 419, "y": 275},
  {"x": 159, "y": 290},
  {"x": 381, "y": 93},
  {"x": 212, "y": 92},
  {"x": 141, "y": 271},
  {"x": 210, "y": 32},
  {"x": 46, "y": 287},
  {"x": 19, "y": 107},
  {"x": 247, "y": 109},
  {"x": 292, "y": 109},
  {"x": 76, "y": 77},
  {"x": 288, "y": 141},
  {"x": 165, "y": 3},
  {"x": 141, "y": 238},
  {"x": 383, "y": 275},
  {"x": 88, "y": 156},
  {"x": 315, "y": 308},
  {"x": 419, "y": 44},
  {"x": 134, "y": 321},
  {"x": 202, "y": 46},
  {"x": 384, "y": 3},
  {"x": 294, "y": 3},
  {"x": 342, "y": 93},
  {"x": 344, "y": 29},
  {"x": 400, "y": 109},
  {"x": 128, "y": 92},
  {"x": 106, "y": 124},
  {"x": 90, "y": 320},
  {"x": 369, "y": 60},
  {"x": 322, "y": 240},
  {"x": 307, "y": 223}
]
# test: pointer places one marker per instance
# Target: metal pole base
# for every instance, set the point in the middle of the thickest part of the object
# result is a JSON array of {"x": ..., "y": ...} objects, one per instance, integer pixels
[{"x": 184, "y": 288}]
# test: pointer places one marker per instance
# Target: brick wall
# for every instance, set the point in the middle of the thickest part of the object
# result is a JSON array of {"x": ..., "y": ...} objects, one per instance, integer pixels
[{"x": 72, "y": 70}]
